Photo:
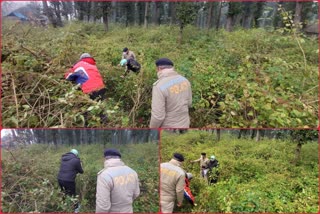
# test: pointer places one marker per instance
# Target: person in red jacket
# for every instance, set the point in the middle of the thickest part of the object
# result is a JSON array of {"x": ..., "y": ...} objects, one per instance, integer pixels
[
  {"x": 86, "y": 74},
  {"x": 187, "y": 191}
]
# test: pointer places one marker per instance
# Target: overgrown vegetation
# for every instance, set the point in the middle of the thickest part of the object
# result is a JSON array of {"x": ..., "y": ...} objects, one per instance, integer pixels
[
  {"x": 254, "y": 176},
  {"x": 29, "y": 177},
  {"x": 245, "y": 78}
]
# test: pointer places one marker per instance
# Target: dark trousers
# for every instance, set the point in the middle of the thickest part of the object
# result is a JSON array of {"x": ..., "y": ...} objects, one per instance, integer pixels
[
  {"x": 98, "y": 95},
  {"x": 68, "y": 187}
]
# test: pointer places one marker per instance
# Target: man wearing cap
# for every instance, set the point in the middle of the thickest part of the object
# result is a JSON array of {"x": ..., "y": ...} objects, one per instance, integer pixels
[
  {"x": 86, "y": 74},
  {"x": 117, "y": 185},
  {"x": 171, "y": 98},
  {"x": 70, "y": 166},
  {"x": 203, "y": 158},
  {"x": 127, "y": 54},
  {"x": 172, "y": 182}
]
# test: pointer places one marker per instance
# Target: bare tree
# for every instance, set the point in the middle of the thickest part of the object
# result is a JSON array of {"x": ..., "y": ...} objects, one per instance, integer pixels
[
  {"x": 297, "y": 14},
  {"x": 219, "y": 15},
  {"x": 210, "y": 14},
  {"x": 156, "y": 13},
  {"x": 56, "y": 8},
  {"x": 247, "y": 14},
  {"x": 173, "y": 12},
  {"x": 49, "y": 13},
  {"x": 146, "y": 15},
  {"x": 106, "y": 7}
]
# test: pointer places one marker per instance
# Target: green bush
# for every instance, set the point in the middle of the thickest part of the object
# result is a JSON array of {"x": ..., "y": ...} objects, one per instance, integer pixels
[
  {"x": 254, "y": 176},
  {"x": 245, "y": 78}
]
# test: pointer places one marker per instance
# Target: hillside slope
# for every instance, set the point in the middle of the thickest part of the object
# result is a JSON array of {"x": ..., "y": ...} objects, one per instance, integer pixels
[{"x": 245, "y": 78}]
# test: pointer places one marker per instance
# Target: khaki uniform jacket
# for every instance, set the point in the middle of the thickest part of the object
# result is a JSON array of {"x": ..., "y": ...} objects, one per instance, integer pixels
[
  {"x": 202, "y": 161},
  {"x": 172, "y": 181},
  {"x": 117, "y": 187},
  {"x": 171, "y": 99},
  {"x": 130, "y": 55}
]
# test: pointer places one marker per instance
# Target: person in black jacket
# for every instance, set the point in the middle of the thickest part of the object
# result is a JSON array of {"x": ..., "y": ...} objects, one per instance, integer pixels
[
  {"x": 212, "y": 170},
  {"x": 131, "y": 65},
  {"x": 69, "y": 168}
]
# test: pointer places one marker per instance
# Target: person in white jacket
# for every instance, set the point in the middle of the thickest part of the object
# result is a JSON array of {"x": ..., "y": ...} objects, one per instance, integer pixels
[{"x": 117, "y": 185}]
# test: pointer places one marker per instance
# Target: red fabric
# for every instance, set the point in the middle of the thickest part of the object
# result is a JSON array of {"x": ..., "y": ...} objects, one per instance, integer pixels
[
  {"x": 95, "y": 81},
  {"x": 188, "y": 190}
]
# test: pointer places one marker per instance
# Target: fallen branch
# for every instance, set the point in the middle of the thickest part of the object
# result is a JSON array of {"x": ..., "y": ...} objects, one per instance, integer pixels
[{"x": 15, "y": 98}]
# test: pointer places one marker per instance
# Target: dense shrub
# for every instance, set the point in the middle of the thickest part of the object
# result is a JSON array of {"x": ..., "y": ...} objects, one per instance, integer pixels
[
  {"x": 254, "y": 176},
  {"x": 246, "y": 78}
]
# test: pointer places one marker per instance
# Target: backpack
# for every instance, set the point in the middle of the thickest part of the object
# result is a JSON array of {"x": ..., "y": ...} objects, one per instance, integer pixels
[{"x": 133, "y": 65}]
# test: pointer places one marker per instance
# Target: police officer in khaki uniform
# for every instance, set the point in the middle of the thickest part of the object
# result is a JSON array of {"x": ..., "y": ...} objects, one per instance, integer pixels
[
  {"x": 117, "y": 185},
  {"x": 172, "y": 183},
  {"x": 171, "y": 98},
  {"x": 127, "y": 54},
  {"x": 203, "y": 159}
]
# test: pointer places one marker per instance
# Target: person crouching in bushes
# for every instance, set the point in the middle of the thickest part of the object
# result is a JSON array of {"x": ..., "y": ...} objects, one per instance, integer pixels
[
  {"x": 212, "y": 168},
  {"x": 69, "y": 168},
  {"x": 86, "y": 74},
  {"x": 187, "y": 191},
  {"x": 131, "y": 65}
]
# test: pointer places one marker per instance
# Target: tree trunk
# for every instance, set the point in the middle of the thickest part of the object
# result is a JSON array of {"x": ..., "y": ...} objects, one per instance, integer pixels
[
  {"x": 173, "y": 11},
  {"x": 130, "y": 8},
  {"x": 58, "y": 14},
  {"x": 240, "y": 133},
  {"x": 229, "y": 23},
  {"x": 277, "y": 21},
  {"x": 65, "y": 10},
  {"x": 298, "y": 153},
  {"x": 146, "y": 15},
  {"x": 55, "y": 138},
  {"x": 113, "y": 11},
  {"x": 219, "y": 15},
  {"x": 247, "y": 15},
  {"x": 297, "y": 14},
  {"x": 93, "y": 9},
  {"x": 156, "y": 13},
  {"x": 257, "y": 13},
  {"x": 258, "y": 136},
  {"x": 210, "y": 13},
  {"x": 78, "y": 10},
  {"x": 140, "y": 13},
  {"x": 105, "y": 13},
  {"x": 253, "y": 133},
  {"x": 105, "y": 22},
  {"x": 180, "y": 34},
  {"x": 49, "y": 13},
  {"x": 218, "y": 134}
]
